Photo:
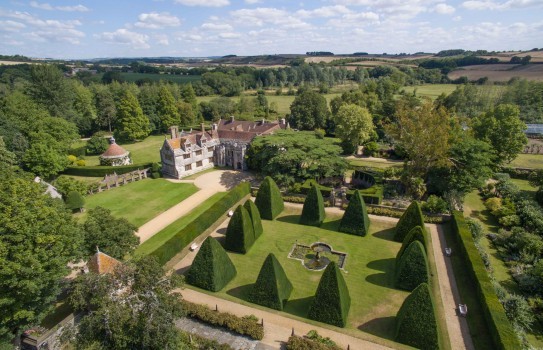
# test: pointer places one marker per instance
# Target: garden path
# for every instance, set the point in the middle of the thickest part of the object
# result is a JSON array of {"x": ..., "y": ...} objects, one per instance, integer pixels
[{"x": 208, "y": 183}]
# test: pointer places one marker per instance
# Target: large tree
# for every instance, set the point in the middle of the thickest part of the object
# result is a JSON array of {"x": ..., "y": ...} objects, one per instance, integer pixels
[
  {"x": 166, "y": 109},
  {"x": 84, "y": 115},
  {"x": 503, "y": 129},
  {"x": 113, "y": 236},
  {"x": 354, "y": 126},
  {"x": 309, "y": 111},
  {"x": 38, "y": 237},
  {"x": 422, "y": 131},
  {"x": 132, "y": 308},
  {"x": 132, "y": 124},
  {"x": 50, "y": 89},
  {"x": 105, "y": 106}
]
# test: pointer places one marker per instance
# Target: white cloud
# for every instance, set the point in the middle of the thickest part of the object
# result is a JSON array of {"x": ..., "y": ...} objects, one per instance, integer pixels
[
  {"x": 444, "y": 9},
  {"x": 229, "y": 35},
  {"x": 325, "y": 11},
  {"x": 126, "y": 37},
  {"x": 457, "y": 18},
  {"x": 162, "y": 39},
  {"x": 204, "y": 3},
  {"x": 355, "y": 20},
  {"x": 265, "y": 15},
  {"x": 217, "y": 26},
  {"x": 493, "y": 5},
  {"x": 156, "y": 20},
  {"x": 11, "y": 26},
  {"x": 69, "y": 35},
  {"x": 394, "y": 8},
  {"x": 250, "y": 2},
  {"x": 49, "y": 7}
]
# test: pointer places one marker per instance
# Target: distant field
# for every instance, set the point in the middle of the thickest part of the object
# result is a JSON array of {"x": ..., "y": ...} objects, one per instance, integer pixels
[
  {"x": 179, "y": 79},
  {"x": 431, "y": 90},
  {"x": 500, "y": 72},
  {"x": 534, "y": 161}
]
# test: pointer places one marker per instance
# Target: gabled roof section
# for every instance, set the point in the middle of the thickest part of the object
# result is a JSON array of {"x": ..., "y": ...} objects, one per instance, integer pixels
[
  {"x": 194, "y": 138},
  {"x": 101, "y": 263}
]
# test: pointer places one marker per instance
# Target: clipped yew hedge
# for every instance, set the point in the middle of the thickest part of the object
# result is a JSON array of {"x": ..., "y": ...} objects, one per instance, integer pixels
[
  {"x": 416, "y": 323},
  {"x": 300, "y": 343},
  {"x": 269, "y": 200},
  {"x": 355, "y": 220},
  {"x": 332, "y": 300},
  {"x": 501, "y": 330},
  {"x": 211, "y": 269},
  {"x": 186, "y": 235},
  {"x": 255, "y": 217},
  {"x": 240, "y": 235},
  {"x": 417, "y": 233},
  {"x": 412, "y": 268},
  {"x": 98, "y": 171},
  {"x": 313, "y": 211},
  {"x": 272, "y": 288},
  {"x": 411, "y": 217}
]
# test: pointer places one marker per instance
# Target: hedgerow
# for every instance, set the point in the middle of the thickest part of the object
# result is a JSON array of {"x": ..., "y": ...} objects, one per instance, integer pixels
[
  {"x": 255, "y": 217},
  {"x": 211, "y": 269},
  {"x": 269, "y": 200},
  {"x": 412, "y": 268},
  {"x": 313, "y": 211},
  {"x": 240, "y": 235},
  {"x": 97, "y": 171},
  {"x": 355, "y": 220},
  {"x": 416, "y": 323},
  {"x": 332, "y": 300},
  {"x": 272, "y": 287},
  {"x": 300, "y": 343},
  {"x": 411, "y": 217}
]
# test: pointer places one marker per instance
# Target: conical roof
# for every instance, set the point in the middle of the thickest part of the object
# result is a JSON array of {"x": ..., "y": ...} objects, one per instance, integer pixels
[{"x": 114, "y": 150}]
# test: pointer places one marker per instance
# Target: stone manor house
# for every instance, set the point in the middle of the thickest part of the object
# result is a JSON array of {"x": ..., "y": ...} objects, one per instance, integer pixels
[{"x": 187, "y": 153}]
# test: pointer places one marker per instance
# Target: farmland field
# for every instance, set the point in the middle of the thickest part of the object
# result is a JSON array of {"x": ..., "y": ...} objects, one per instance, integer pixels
[
  {"x": 500, "y": 72},
  {"x": 179, "y": 79},
  {"x": 431, "y": 90},
  {"x": 533, "y": 161}
]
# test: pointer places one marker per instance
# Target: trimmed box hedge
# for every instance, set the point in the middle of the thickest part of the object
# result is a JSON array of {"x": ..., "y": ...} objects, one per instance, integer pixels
[
  {"x": 372, "y": 195},
  {"x": 411, "y": 217},
  {"x": 185, "y": 236},
  {"x": 269, "y": 200},
  {"x": 240, "y": 235},
  {"x": 501, "y": 330},
  {"x": 355, "y": 219},
  {"x": 272, "y": 287},
  {"x": 417, "y": 233},
  {"x": 300, "y": 343},
  {"x": 412, "y": 267},
  {"x": 313, "y": 213},
  {"x": 98, "y": 171},
  {"x": 255, "y": 217}
]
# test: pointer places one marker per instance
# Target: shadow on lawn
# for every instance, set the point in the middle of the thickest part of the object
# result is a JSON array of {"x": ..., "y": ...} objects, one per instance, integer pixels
[
  {"x": 380, "y": 326},
  {"x": 241, "y": 292},
  {"x": 385, "y": 279},
  {"x": 291, "y": 219},
  {"x": 230, "y": 179},
  {"x": 387, "y": 235},
  {"x": 299, "y": 307}
]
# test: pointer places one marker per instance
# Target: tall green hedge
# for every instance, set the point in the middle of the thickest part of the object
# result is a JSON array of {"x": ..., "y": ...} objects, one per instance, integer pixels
[
  {"x": 272, "y": 287},
  {"x": 501, "y": 330},
  {"x": 313, "y": 212},
  {"x": 355, "y": 220},
  {"x": 211, "y": 269},
  {"x": 411, "y": 217},
  {"x": 74, "y": 200},
  {"x": 416, "y": 323},
  {"x": 269, "y": 200},
  {"x": 185, "y": 236},
  {"x": 412, "y": 268},
  {"x": 417, "y": 233},
  {"x": 97, "y": 171},
  {"x": 332, "y": 300},
  {"x": 255, "y": 217},
  {"x": 240, "y": 235}
]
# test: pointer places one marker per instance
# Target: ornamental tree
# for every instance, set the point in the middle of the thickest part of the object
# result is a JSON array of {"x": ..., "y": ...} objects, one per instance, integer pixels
[
  {"x": 412, "y": 268},
  {"x": 313, "y": 211},
  {"x": 354, "y": 126},
  {"x": 131, "y": 123},
  {"x": 411, "y": 217},
  {"x": 75, "y": 201},
  {"x": 332, "y": 300},
  {"x": 272, "y": 288},
  {"x": 416, "y": 234},
  {"x": 416, "y": 323},
  {"x": 255, "y": 218},
  {"x": 240, "y": 235},
  {"x": 269, "y": 200},
  {"x": 355, "y": 220}
]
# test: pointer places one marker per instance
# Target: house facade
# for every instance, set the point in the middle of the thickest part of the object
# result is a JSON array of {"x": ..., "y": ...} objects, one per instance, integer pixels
[{"x": 225, "y": 145}]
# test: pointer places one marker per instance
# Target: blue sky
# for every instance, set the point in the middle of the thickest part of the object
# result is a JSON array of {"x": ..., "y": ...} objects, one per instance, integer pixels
[{"x": 115, "y": 28}]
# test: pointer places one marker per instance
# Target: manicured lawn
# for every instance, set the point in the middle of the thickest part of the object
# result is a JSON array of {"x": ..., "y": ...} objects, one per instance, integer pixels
[
  {"x": 140, "y": 201},
  {"x": 524, "y": 186},
  {"x": 533, "y": 161},
  {"x": 369, "y": 270},
  {"x": 431, "y": 90},
  {"x": 374, "y": 164},
  {"x": 158, "y": 239},
  {"x": 146, "y": 151}
]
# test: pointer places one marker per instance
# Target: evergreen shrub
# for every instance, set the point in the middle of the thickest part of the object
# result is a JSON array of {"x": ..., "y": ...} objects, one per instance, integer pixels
[
  {"x": 240, "y": 235},
  {"x": 269, "y": 200},
  {"x": 411, "y": 217},
  {"x": 332, "y": 300},
  {"x": 355, "y": 220},
  {"x": 412, "y": 268},
  {"x": 75, "y": 201},
  {"x": 211, "y": 269},
  {"x": 313, "y": 211},
  {"x": 272, "y": 288},
  {"x": 255, "y": 217},
  {"x": 416, "y": 323},
  {"x": 417, "y": 233}
]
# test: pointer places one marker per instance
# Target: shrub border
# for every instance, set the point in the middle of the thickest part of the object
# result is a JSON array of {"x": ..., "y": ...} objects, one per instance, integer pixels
[{"x": 97, "y": 171}]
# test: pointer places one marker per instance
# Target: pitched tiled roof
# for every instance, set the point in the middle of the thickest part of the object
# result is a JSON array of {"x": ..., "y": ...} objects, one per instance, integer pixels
[
  {"x": 193, "y": 138},
  {"x": 113, "y": 151},
  {"x": 101, "y": 263}
]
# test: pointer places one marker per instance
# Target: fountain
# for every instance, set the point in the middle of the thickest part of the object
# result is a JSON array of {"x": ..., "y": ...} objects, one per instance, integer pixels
[{"x": 316, "y": 256}]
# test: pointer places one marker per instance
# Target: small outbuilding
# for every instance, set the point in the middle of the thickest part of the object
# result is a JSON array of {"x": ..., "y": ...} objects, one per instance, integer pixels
[{"x": 115, "y": 155}]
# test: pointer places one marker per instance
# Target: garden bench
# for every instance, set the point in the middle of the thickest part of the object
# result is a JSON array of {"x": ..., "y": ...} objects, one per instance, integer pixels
[
  {"x": 448, "y": 251},
  {"x": 463, "y": 308},
  {"x": 193, "y": 246}
]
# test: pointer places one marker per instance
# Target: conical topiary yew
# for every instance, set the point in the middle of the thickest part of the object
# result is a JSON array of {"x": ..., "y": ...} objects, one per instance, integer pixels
[
  {"x": 211, "y": 269},
  {"x": 411, "y": 217},
  {"x": 255, "y": 218},
  {"x": 269, "y": 200},
  {"x": 412, "y": 269},
  {"x": 416, "y": 323},
  {"x": 239, "y": 233},
  {"x": 272, "y": 287},
  {"x": 332, "y": 300},
  {"x": 416, "y": 234},
  {"x": 313, "y": 212},
  {"x": 355, "y": 220}
]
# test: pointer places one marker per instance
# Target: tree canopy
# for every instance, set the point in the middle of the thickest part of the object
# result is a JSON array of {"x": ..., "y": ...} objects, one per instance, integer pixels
[
  {"x": 131, "y": 124},
  {"x": 354, "y": 126},
  {"x": 309, "y": 111}
]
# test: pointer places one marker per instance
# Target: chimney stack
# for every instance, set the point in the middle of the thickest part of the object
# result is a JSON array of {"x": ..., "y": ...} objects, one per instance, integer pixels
[
  {"x": 214, "y": 127},
  {"x": 174, "y": 131},
  {"x": 203, "y": 127},
  {"x": 282, "y": 121},
  {"x": 232, "y": 119}
]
